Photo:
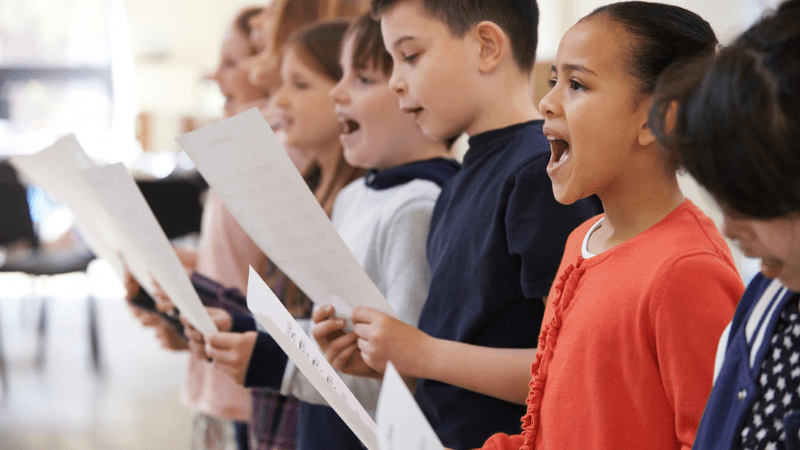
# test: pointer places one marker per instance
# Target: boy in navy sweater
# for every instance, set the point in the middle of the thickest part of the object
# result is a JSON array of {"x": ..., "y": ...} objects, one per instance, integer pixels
[{"x": 497, "y": 233}]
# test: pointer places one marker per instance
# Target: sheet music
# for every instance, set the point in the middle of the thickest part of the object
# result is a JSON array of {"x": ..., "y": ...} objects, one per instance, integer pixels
[
  {"x": 242, "y": 160},
  {"x": 146, "y": 246},
  {"x": 401, "y": 424},
  {"x": 55, "y": 170},
  {"x": 302, "y": 350},
  {"x": 115, "y": 220}
]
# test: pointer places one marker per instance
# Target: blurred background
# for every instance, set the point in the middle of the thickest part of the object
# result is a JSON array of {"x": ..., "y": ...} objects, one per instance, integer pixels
[{"x": 127, "y": 76}]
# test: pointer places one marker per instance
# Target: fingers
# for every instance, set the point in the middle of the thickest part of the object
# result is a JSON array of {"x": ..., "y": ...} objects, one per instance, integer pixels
[
  {"x": 163, "y": 302},
  {"x": 190, "y": 332},
  {"x": 362, "y": 314},
  {"x": 344, "y": 359},
  {"x": 222, "y": 319},
  {"x": 323, "y": 313},
  {"x": 231, "y": 352},
  {"x": 338, "y": 345},
  {"x": 328, "y": 330}
]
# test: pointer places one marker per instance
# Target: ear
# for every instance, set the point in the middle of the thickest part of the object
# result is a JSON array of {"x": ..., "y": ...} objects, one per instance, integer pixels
[
  {"x": 493, "y": 44},
  {"x": 646, "y": 136}
]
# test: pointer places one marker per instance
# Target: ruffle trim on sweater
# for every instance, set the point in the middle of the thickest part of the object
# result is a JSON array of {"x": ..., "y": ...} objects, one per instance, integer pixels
[{"x": 565, "y": 290}]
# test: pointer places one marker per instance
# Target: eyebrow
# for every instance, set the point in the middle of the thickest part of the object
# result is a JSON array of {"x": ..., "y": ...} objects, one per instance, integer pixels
[
  {"x": 574, "y": 68},
  {"x": 400, "y": 41}
]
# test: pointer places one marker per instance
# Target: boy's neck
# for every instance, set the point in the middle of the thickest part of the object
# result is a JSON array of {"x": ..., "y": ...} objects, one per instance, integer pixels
[
  {"x": 633, "y": 207},
  {"x": 505, "y": 103},
  {"x": 423, "y": 151}
]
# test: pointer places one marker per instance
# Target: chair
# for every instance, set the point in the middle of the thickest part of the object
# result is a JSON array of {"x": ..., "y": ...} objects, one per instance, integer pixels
[{"x": 25, "y": 254}]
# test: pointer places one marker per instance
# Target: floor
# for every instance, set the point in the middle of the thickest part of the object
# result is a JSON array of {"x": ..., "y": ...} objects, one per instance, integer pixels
[{"x": 133, "y": 403}]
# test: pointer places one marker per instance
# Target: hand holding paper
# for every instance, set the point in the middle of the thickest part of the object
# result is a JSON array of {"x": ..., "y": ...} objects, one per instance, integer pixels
[
  {"x": 269, "y": 311},
  {"x": 340, "y": 348},
  {"x": 382, "y": 338}
]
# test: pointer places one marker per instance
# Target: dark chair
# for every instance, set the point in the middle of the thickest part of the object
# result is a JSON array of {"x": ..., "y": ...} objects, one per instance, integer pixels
[{"x": 23, "y": 253}]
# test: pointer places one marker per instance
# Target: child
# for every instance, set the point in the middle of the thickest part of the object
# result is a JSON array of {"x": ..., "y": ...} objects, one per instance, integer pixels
[
  {"x": 221, "y": 408},
  {"x": 751, "y": 168},
  {"x": 497, "y": 233},
  {"x": 644, "y": 291},
  {"x": 383, "y": 219}
]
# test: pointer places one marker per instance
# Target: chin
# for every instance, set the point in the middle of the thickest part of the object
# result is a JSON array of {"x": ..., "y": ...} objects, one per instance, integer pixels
[{"x": 563, "y": 197}]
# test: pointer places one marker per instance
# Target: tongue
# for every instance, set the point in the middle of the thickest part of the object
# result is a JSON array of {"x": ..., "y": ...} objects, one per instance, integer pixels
[{"x": 562, "y": 148}]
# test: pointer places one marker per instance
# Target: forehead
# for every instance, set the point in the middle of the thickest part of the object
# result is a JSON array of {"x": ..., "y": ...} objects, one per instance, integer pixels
[
  {"x": 409, "y": 21},
  {"x": 236, "y": 44},
  {"x": 596, "y": 43},
  {"x": 346, "y": 54}
]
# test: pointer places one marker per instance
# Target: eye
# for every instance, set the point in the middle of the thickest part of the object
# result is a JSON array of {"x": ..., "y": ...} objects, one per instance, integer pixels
[
  {"x": 365, "y": 80},
  {"x": 302, "y": 85},
  {"x": 552, "y": 82},
  {"x": 576, "y": 86},
  {"x": 410, "y": 58}
]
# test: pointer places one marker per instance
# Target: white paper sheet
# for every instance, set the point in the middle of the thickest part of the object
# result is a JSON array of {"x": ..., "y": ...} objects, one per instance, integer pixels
[
  {"x": 146, "y": 245},
  {"x": 115, "y": 220},
  {"x": 401, "y": 424},
  {"x": 55, "y": 170},
  {"x": 302, "y": 350},
  {"x": 242, "y": 160}
]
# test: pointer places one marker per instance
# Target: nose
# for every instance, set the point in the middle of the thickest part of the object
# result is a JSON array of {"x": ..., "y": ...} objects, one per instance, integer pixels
[
  {"x": 217, "y": 75},
  {"x": 549, "y": 106},
  {"x": 397, "y": 83},
  {"x": 339, "y": 93},
  {"x": 280, "y": 99}
]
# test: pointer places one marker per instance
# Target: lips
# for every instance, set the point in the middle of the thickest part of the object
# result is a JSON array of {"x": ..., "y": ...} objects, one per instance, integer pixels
[{"x": 413, "y": 111}]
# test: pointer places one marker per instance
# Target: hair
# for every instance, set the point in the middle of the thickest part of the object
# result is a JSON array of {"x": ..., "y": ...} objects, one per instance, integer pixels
[
  {"x": 519, "y": 19},
  {"x": 662, "y": 34},
  {"x": 289, "y": 16},
  {"x": 292, "y": 14},
  {"x": 317, "y": 44},
  {"x": 368, "y": 48},
  {"x": 734, "y": 119},
  {"x": 242, "y": 23}
]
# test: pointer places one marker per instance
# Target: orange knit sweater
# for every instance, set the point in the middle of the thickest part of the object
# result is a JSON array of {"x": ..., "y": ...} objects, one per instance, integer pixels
[{"x": 626, "y": 350}]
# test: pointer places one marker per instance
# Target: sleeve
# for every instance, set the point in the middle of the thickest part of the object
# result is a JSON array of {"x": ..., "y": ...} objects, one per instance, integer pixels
[
  {"x": 694, "y": 304},
  {"x": 404, "y": 267},
  {"x": 267, "y": 364},
  {"x": 502, "y": 441},
  {"x": 537, "y": 226},
  {"x": 242, "y": 322}
]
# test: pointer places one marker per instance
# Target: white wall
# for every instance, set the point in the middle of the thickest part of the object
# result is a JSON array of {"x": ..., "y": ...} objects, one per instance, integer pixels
[
  {"x": 727, "y": 17},
  {"x": 175, "y": 44}
]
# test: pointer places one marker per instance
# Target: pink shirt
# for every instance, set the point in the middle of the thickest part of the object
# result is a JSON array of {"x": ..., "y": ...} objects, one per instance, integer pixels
[{"x": 224, "y": 255}]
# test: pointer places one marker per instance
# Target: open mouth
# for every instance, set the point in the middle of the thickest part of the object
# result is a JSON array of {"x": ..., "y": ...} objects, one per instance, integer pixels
[
  {"x": 559, "y": 150},
  {"x": 350, "y": 126}
]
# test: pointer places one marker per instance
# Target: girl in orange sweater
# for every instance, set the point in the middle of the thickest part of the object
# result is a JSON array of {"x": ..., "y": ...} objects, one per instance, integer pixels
[{"x": 644, "y": 291}]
